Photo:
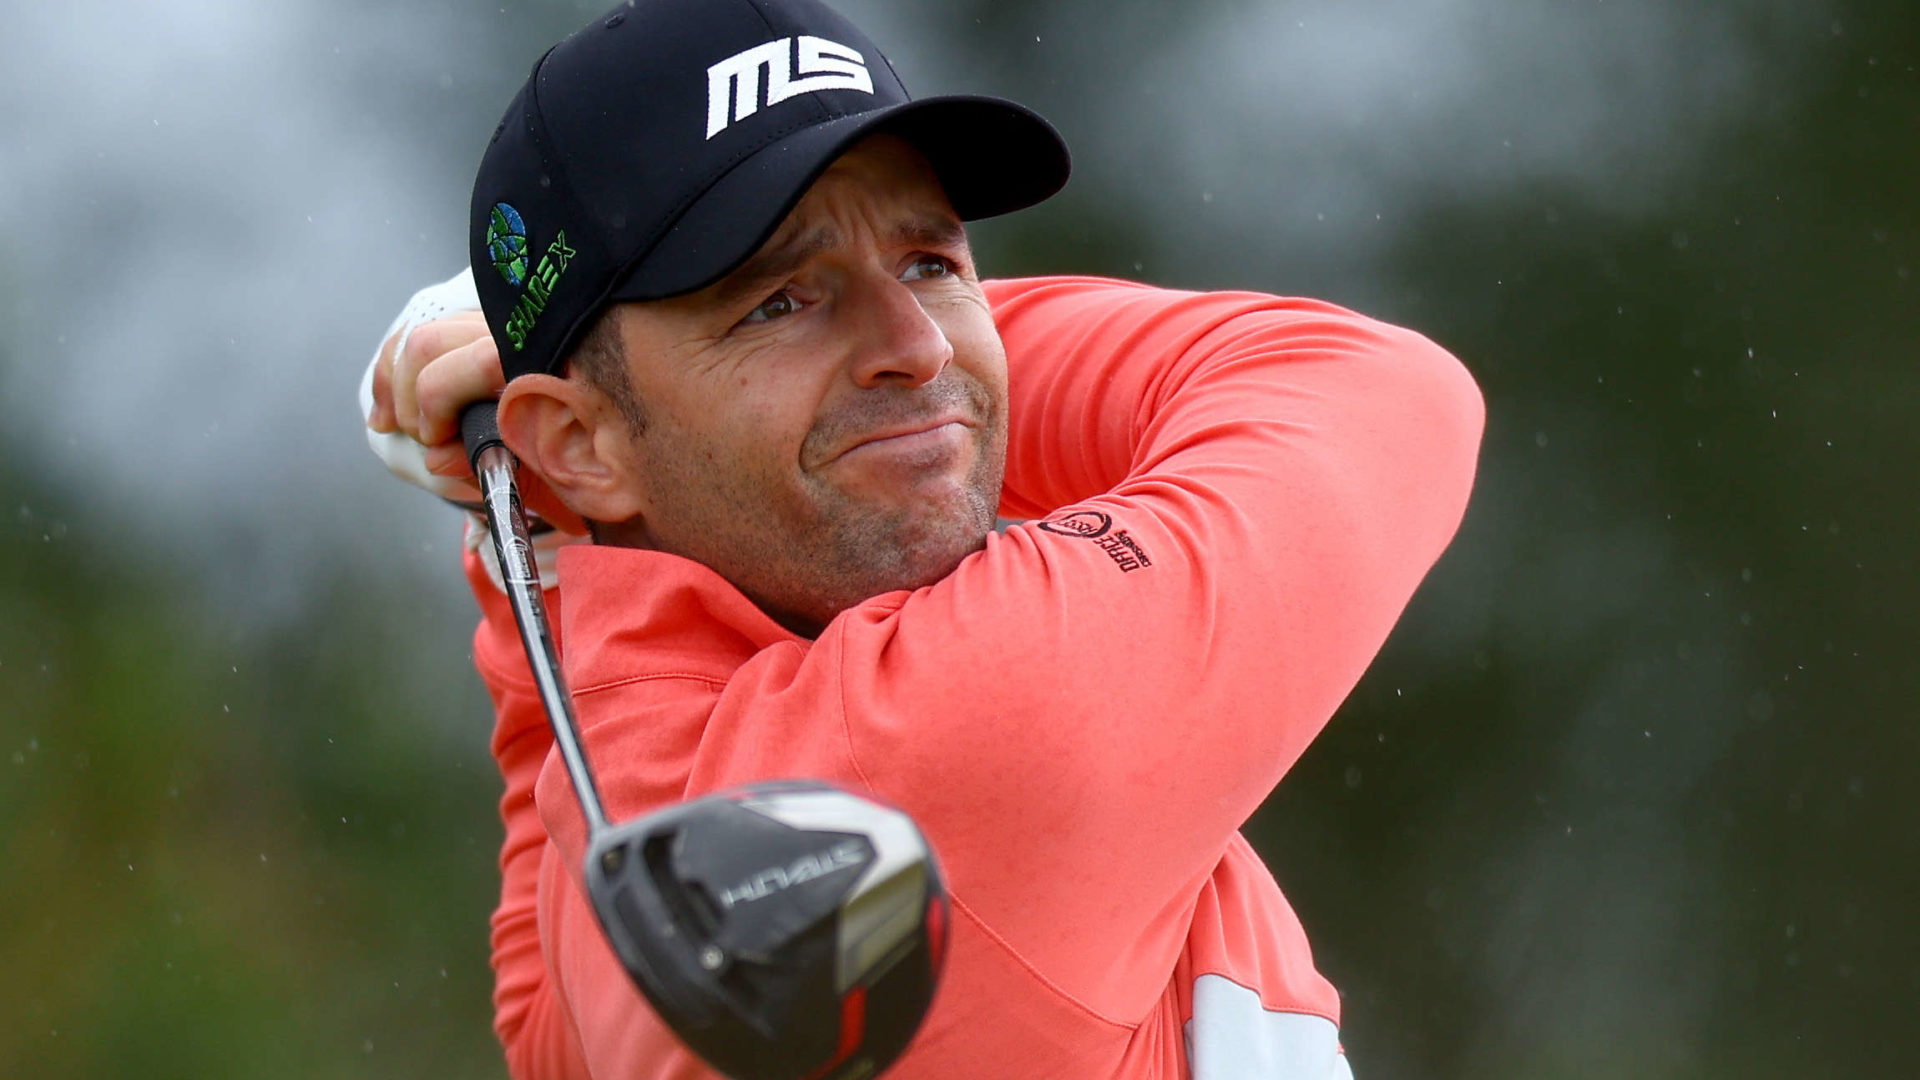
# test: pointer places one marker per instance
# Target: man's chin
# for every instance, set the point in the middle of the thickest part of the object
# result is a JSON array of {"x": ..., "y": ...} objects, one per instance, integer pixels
[
  {"x": 865, "y": 564},
  {"x": 914, "y": 545}
]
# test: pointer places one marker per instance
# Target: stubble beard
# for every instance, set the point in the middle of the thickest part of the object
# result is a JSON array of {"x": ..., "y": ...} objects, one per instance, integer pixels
[{"x": 805, "y": 558}]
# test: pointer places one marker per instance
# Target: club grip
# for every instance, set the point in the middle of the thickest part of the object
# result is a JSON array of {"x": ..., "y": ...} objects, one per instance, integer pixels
[{"x": 479, "y": 429}]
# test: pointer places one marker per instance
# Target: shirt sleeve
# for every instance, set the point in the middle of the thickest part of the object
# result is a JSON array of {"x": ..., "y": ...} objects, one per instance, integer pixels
[{"x": 1234, "y": 496}]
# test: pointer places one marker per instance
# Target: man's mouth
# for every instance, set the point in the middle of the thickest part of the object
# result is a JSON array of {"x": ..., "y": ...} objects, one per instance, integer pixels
[
  {"x": 908, "y": 426},
  {"x": 928, "y": 436}
]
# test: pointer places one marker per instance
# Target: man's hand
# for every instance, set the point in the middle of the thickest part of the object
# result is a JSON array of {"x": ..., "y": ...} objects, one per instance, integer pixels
[
  {"x": 419, "y": 387},
  {"x": 423, "y": 379}
]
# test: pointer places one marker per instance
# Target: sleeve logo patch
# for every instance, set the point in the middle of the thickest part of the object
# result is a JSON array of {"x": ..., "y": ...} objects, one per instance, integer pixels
[{"x": 1092, "y": 525}]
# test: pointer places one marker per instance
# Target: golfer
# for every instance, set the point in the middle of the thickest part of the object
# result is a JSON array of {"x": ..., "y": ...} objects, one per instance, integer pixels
[{"x": 1070, "y": 569}]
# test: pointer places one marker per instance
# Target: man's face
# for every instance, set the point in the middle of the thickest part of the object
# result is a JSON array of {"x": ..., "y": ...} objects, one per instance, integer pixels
[{"x": 828, "y": 422}]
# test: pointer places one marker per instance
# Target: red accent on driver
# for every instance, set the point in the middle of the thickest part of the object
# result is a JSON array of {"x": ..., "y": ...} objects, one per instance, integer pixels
[
  {"x": 853, "y": 1028},
  {"x": 936, "y": 930}
]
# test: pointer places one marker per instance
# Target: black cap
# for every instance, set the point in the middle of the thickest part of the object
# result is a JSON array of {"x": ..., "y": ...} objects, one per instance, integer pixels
[{"x": 652, "y": 152}]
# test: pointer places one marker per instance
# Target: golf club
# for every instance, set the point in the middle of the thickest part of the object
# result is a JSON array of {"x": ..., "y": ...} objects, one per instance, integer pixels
[{"x": 785, "y": 930}]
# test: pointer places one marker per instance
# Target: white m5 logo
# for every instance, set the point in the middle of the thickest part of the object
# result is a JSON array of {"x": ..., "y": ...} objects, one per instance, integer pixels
[{"x": 733, "y": 84}]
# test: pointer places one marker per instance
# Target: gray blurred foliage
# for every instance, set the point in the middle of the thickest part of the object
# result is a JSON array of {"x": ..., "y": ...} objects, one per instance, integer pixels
[{"x": 1631, "y": 792}]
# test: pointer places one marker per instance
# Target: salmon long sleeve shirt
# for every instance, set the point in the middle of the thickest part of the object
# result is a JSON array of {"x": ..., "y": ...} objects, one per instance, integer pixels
[{"x": 1228, "y": 500}]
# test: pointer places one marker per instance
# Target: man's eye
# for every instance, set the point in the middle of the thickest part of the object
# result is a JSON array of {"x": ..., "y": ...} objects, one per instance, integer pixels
[
  {"x": 927, "y": 266},
  {"x": 777, "y": 306}
]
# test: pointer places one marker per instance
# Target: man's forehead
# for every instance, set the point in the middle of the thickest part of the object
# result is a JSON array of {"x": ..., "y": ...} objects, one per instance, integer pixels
[{"x": 806, "y": 235}]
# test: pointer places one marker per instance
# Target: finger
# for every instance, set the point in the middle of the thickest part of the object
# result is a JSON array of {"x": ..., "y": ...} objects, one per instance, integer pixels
[
  {"x": 454, "y": 380},
  {"x": 426, "y": 344},
  {"x": 449, "y": 459},
  {"x": 380, "y": 418},
  {"x": 406, "y": 368}
]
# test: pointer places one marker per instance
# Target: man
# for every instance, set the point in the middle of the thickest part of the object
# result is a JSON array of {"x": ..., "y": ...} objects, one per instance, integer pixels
[{"x": 747, "y": 349}]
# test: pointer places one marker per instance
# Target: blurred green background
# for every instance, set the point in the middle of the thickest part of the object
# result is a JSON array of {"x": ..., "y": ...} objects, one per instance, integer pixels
[{"x": 1631, "y": 792}]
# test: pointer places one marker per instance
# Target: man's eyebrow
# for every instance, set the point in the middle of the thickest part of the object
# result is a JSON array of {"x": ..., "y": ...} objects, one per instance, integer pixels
[
  {"x": 775, "y": 261},
  {"x": 931, "y": 232},
  {"x": 780, "y": 259}
]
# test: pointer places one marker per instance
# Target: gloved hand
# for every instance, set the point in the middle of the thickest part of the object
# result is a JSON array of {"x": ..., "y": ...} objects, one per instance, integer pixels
[{"x": 437, "y": 357}]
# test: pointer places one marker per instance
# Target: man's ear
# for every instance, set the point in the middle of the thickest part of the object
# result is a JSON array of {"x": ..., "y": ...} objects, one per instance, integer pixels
[{"x": 577, "y": 441}]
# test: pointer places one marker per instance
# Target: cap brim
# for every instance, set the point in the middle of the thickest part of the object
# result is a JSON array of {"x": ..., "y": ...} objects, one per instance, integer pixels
[{"x": 992, "y": 157}]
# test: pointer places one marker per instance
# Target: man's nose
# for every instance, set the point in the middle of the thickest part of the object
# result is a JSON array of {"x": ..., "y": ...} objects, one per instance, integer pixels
[{"x": 895, "y": 339}]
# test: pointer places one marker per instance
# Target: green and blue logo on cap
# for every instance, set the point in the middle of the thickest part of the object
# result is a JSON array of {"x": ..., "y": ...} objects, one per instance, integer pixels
[{"x": 507, "y": 243}]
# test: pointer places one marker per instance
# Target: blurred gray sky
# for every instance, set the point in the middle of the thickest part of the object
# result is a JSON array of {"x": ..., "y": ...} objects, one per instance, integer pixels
[{"x": 218, "y": 204}]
